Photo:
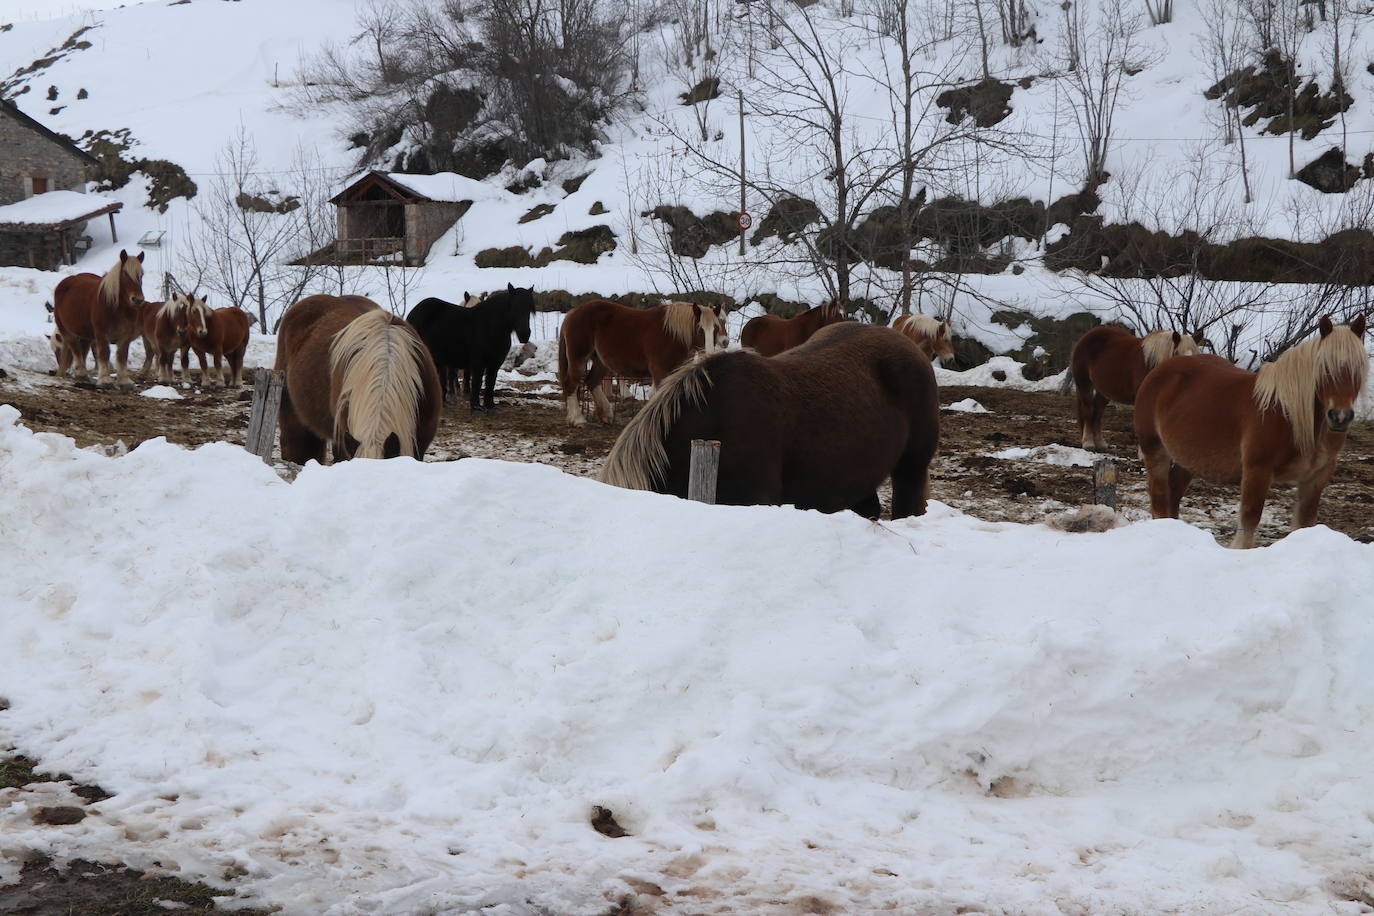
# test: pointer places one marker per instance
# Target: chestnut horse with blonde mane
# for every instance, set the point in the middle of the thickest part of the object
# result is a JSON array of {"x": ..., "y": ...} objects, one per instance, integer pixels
[
  {"x": 225, "y": 338},
  {"x": 637, "y": 343},
  {"x": 770, "y": 335},
  {"x": 1108, "y": 364},
  {"x": 1201, "y": 416},
  {"x": 818, "y": 427},
  {"x": 357, "y": 378},
  {"x": 92, "y": 312},
  {"x": 930, "y": 334},
  {"x": 168, "y": 328}
]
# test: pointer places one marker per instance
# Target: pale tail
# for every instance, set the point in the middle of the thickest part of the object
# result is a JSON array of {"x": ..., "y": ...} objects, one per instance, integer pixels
[
  {"x": 382, "y": 382},
  {"x": 639, "y": 460}
]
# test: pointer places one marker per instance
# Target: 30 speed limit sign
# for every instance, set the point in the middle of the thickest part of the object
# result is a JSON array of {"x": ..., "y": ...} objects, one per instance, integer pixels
[{"x": 745, "y": 221}]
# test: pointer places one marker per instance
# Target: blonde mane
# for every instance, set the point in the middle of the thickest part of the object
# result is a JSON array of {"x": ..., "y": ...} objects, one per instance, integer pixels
[
  {"x": 831, "y": 309},
  {"x": 638, "y": 458},
  {"x": 1157, "y": 346},
  {"x": 172, "y": 306},
  {"x": 925, "y": 325},
  {"x": 381, "y": 384},
  {"x": 1290, "y": 382},
  {"x": 108, "y": 290},
  {"x": 680, "y": 321}
]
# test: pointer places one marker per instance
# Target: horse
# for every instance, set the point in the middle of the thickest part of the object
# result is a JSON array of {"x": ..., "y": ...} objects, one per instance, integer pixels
[
  {"x": 930, "y": 334},
  {"x": 771, "y": 335},
  {"x": 639, "y": 343},
  {"x": 475, "y": 338},
  {"x": 225, "y": 338},
  {"x": 469, "y": 300},
  {"x": 170, "y": 327},
  {"x": 1108, "y": 364},
  {"x": 93, "y": 312},
  {"x": 1200, "y": 415},
  {"x": 818, "y": 427},
  {"x": 356, "y": 377}
]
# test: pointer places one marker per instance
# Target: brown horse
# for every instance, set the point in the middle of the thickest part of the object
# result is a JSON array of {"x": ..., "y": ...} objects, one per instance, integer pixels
[
  {"x": 356, "y": 377},
  {"x": 930, "y": 334},
  {"x": 94, "y": 312},
  {"x": 1200, "y": 415},
  {"x": 1108, "y": 364},
  {"x": 770, "y": 335},
  {"x": 819, "y": 427},
  {"x": 168, "y": 329},
  {"x": 639, "y": 343},
  {"x": 225, "y": 337}
]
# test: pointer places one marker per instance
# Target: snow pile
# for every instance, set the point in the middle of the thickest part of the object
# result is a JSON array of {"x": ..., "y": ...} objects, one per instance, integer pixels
[
  {"x": 163, "y": 392},
  {"x": 401, "y": 687},
  {"x": 1062, "y": 455},
  {"x": 999, "y": 372},
  {"x": 967, "y": 405}
]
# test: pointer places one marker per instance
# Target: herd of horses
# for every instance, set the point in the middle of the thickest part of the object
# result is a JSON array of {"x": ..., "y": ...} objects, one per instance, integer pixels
[{"x": 815, "y": 411}]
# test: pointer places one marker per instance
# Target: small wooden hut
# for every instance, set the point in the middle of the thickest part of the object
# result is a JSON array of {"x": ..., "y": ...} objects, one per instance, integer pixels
[{"x": 391, "y": 217}]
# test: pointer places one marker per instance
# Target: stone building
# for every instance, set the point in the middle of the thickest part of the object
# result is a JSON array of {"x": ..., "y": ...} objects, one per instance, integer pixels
[
  {"x": 35, "y": 161},
  {"x": 387, "y": 216}
]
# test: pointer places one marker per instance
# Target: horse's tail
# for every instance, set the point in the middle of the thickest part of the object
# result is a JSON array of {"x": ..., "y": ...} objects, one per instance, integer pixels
[
  {"x": 380, "y": 366},
  {"x": 639, "y": 458},
  {"x": 564, "y": 367}
]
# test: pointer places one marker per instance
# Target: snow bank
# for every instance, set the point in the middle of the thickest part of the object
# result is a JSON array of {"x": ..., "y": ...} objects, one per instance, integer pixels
[{"x": 401, "y": 687}]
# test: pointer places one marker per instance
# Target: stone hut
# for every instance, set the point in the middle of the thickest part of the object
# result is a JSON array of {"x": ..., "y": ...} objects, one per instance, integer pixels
[
  {"x": 38, "y": 161},
  {"x": 391, "y": 217}
]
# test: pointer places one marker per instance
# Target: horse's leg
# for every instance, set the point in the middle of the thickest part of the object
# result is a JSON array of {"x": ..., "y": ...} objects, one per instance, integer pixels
[
  {"x": 1254, "y": 489},
  {"x": 204, "y": 369},
  {"x": 1310, "y": 491},
  {"x": 122, "y": 363},
  {"x": 911, "y": 480},
  {"x": 869, "y": 507},
  {"x": 474, "y": 371},
  {"x": 186, "y": 363},
  {"x": 489, "y": 397},
  {"x": 1086, "y": 394},
  {"x": 78, "y": 352},
  {"x": 236, "y": 366},
  {"x": 1179, "y": 479},
  {"x": 1158, "y": 467},
  {"x": 1098, "y": 407},
  {"x": 151, "y": 357},
  {"x": 220, "y": 378},
  {"x": 593, "y": 379},
  {"x": 298, "y": 443},
  {"x": 164, "y": 365}
]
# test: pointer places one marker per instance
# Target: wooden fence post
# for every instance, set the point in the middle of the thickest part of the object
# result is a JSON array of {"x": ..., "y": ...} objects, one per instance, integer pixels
[
  {"x": 262, "y": 423},
  {"x": 1104, "y": 482},
  {"x": 701, "y": 476}
]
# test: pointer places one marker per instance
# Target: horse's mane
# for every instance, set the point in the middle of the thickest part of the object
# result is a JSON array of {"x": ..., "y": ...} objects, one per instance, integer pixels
[
  {"x": 680, "y": 321},
  {"x": 638, "y": 458},
  {"x": 381, "y": 383},
  {"x": 171, "y": 306},
  {"x": 831, "y": 309},
  {"x": 925, "y": 325},
  {"x": 1157, "y": 346},
  {"x": 1291, "y": 381},
  {"x": 108, "y": 290}
]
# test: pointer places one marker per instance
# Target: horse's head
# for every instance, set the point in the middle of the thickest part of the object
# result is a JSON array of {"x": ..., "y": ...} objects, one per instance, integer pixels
[
  {"x": 832, "y": 312},
  {"x": 710, "y": 334},
  {"x": 1185, "y": 344},
  {"x": 195, "y": 321},
  {"x": 131, "y": 277},
  {"x": 1201, "y": 342},
  {"x": 521, "y": 304},
  {"x": 1341, "y": 365},
  {"x": 942, "y": 345},
  {"x": 469, "y": 300}
]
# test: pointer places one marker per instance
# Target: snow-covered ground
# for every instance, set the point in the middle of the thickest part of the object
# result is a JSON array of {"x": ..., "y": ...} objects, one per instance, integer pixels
[{"x": 398, "y": 687}]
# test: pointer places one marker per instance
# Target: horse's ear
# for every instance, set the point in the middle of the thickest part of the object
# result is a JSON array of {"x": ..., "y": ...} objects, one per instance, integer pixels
[
  {"x": 1177, "y": 338},
  {"x": 944, "y": 328},
  {"x": 510, "y": 287},
  {"x": 123, "y": 255},
  {"x": 466, "y": 295},
  {"x": 140, "y": 256},
  {"x": 1325, "y": 325},
  {"x": 1357, "y": 326}
]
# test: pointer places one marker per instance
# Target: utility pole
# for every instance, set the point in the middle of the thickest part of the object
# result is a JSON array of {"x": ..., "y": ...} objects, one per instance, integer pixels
[{"x": 741, "y": 171}]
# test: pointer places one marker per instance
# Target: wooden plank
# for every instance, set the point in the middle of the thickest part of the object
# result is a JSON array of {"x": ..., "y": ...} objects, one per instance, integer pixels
[
  {"x": 701, "y": 476},
  {"x": 1104, "y": 482},
  {"x": 262, "y": 423}
]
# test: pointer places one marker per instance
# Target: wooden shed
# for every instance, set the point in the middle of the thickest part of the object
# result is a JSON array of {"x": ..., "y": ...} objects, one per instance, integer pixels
[{"x": 391, "y": 217}]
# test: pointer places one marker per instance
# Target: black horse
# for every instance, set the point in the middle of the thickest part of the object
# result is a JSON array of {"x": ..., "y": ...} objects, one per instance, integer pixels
[{"x": 476, "y": 339}]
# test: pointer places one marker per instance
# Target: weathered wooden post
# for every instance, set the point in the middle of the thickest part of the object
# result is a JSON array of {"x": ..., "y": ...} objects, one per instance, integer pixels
[
  {"x": 701, "y": 475},
  {"x": 1104, "y": 482},
  {"x": 262, "y": 423}
]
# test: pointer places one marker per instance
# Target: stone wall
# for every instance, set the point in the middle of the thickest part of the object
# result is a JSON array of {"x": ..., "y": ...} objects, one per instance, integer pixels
[
  {"x": 425, "y": 222},
  {"x": 28, "y": 153}
]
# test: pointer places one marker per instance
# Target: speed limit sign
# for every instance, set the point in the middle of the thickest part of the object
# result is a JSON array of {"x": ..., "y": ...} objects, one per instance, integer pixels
[{"x": 745, "y": 220}]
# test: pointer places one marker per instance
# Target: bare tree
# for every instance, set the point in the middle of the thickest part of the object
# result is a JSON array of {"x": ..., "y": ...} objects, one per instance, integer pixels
[{"x": 1223, "y": 45}]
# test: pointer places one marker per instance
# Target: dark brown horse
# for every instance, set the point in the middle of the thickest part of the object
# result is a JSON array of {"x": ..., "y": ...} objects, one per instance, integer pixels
[
  {"x": 225, "y": 338},
  {"x": 637, "y": 343},
  {"x": 1108, "y": 364},
  {"x": 356, "y": 377},
  {"x": 1201, "y": 416},
  {"x": 930, "y": 334},
  {"x": 93, "y": 313},
  {"x": 819, "y": 427},
  {"x": 771, "y": 335}
]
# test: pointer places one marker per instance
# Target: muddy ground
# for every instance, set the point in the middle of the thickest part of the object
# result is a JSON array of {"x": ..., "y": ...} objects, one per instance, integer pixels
[{"x": 529, "y": 426}]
